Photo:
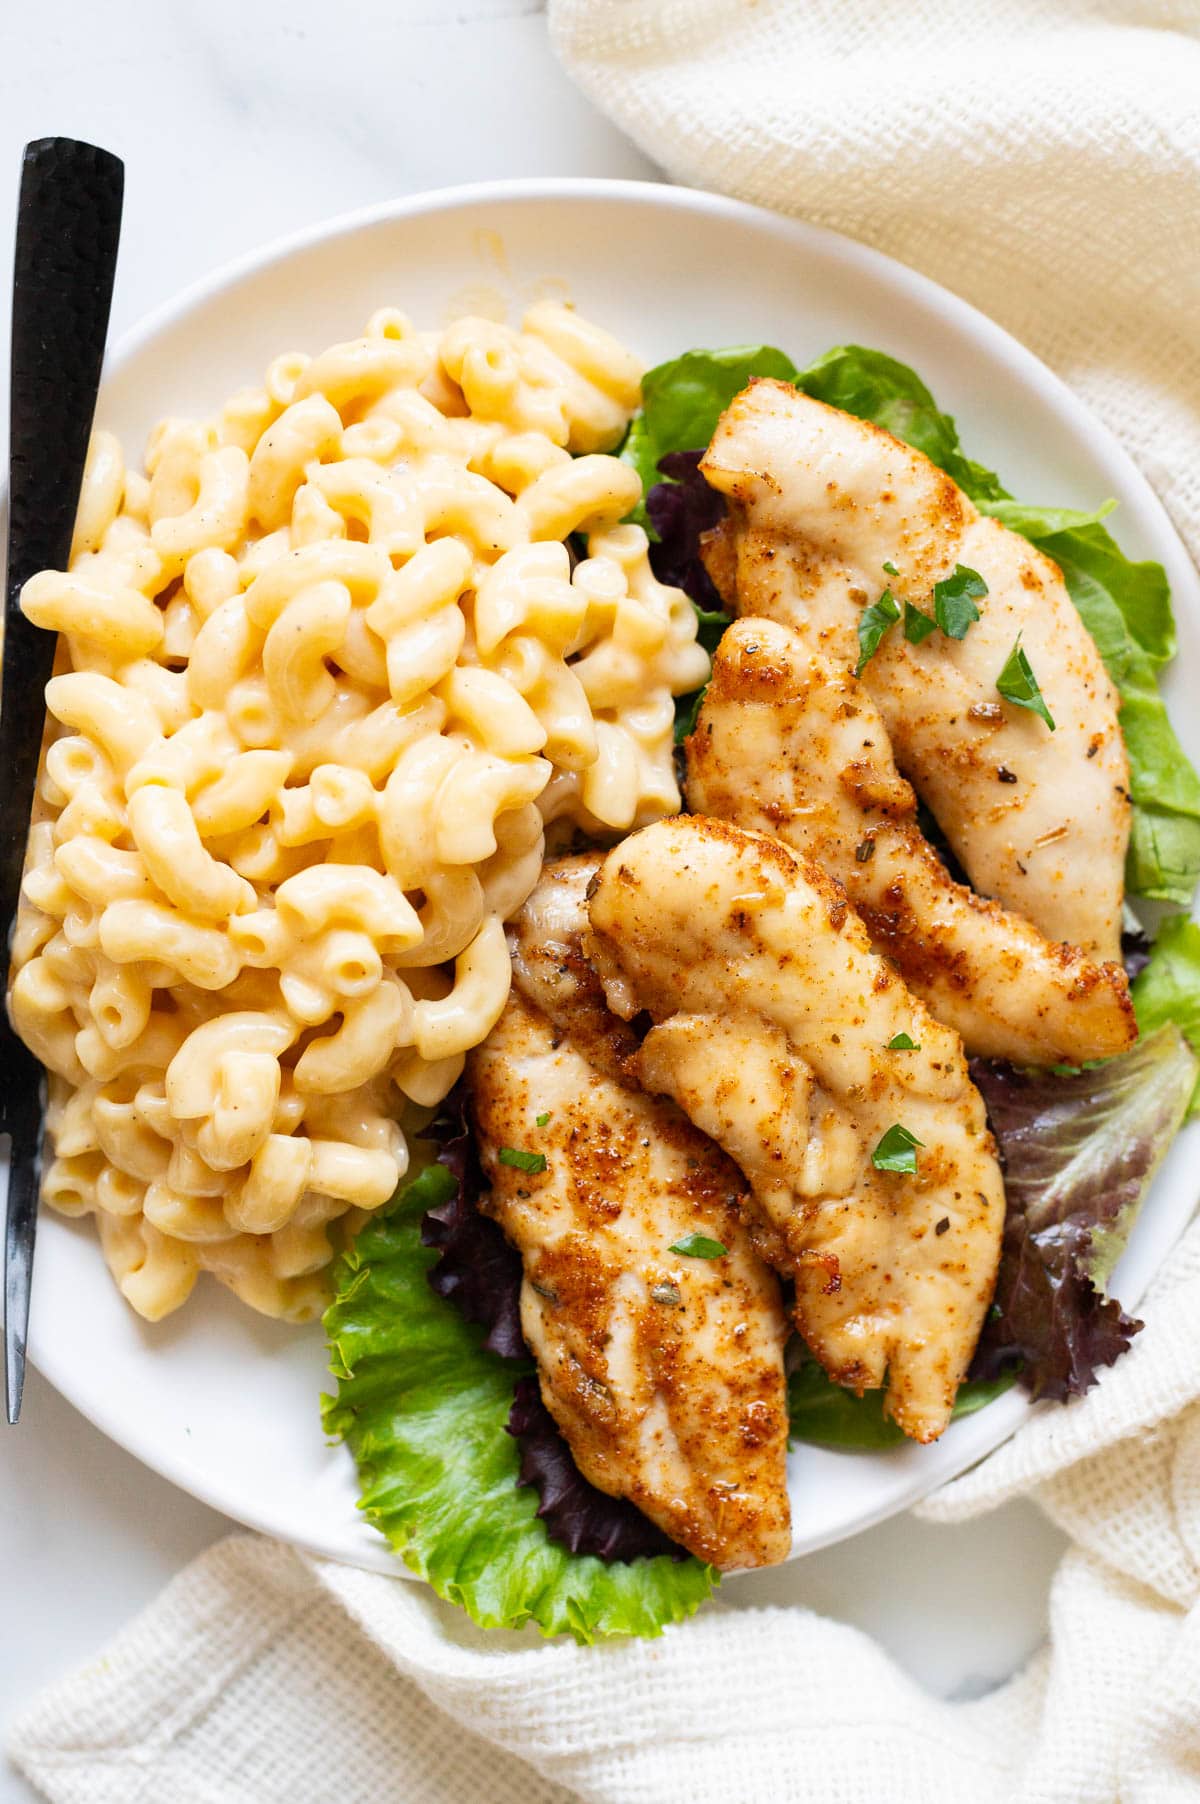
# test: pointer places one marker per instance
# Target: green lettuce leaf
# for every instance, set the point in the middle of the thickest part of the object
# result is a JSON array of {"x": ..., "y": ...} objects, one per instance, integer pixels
[
  {"x": 682, "y": 400},
  {"x": 1163, "y": 855},
  {"x": 879, "y": 388},
  {"x": 423, "y": 1406},
  {"x": 822, "y": 1412},
  {"x": 1125, "y": 604},
  {"x": 1168, "y": 989},
  {"x": 1034, "y": 522},
  {"x": 1126, "y": 607}
]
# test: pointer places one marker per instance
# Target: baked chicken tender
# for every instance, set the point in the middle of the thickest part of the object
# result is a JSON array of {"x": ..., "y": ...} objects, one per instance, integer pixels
[
  {"x": 789, "y": 743},
  {"x": 772, "y": 1021},
  {"x": 819, "y": 502},
  {"x": 665, "y": 1373}
]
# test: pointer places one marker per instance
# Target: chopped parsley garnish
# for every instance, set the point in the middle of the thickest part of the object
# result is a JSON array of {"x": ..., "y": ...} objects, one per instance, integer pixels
[
  {"x": 903, "y": 1043},
  {"x": 873, "y": 624},
  {"x": 523, "y": 1161},
  {"x": 1017, "y": 684},
  {"x": 699, "y": 1246},
  {"x": 917, "y": 626},
  {"x": 954, "y": 611},
  {"x": 542, "y": 1120},
  {"x": 954, "y": 601},
  {"x": 891, "y": 569},
  {"x": 897, "y": 1151}
]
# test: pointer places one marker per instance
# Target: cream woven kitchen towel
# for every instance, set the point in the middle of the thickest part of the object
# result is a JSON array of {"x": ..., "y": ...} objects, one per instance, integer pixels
[
  {"x": 261, "y": 1676},
  {"x": 1043, "y": 160},
  {"x": 1039, "y": 157}
]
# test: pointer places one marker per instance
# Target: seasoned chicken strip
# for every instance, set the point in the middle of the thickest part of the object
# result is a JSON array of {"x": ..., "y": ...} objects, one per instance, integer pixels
[
  {"x": 665, "y": 1373},
  {"x": 790, "y": 744},
  {"x": 819, "y": 503},
  {"x": 773, "y": 1021}
]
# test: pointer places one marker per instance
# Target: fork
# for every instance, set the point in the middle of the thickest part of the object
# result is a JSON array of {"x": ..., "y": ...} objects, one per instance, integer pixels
[{"x": 68, "y": 226}]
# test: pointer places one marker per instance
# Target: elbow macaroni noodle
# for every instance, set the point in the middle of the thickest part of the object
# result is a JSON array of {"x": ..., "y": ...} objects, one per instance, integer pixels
[{"x": 329, "y": 668}]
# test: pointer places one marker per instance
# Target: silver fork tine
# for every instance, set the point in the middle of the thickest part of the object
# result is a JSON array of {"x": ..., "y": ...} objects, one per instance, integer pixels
[{"x": 20, "y": 1230}]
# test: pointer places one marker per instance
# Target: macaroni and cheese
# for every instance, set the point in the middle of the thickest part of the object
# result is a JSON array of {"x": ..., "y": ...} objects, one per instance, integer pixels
[{"x": 328, "y": 668}]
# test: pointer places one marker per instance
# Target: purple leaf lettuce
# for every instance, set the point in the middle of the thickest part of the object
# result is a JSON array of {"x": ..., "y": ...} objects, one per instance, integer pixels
[{"x": 1079, "y": 1153}]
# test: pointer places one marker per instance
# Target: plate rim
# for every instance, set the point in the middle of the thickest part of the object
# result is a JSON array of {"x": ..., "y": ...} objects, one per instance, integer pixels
[
  {"x": 880, "y": 270},
  {"x": 461, "y": 196}
]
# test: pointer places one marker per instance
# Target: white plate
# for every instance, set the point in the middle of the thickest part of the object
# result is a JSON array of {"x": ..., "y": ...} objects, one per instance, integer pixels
[{"x": 218, "y": 1400}]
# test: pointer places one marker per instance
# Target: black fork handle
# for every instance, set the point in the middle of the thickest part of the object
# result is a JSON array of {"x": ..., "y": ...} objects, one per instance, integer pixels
[{"x": 68, "y": 227}]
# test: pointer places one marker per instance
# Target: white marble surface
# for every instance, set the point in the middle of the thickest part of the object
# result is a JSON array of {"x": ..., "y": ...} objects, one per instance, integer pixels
[{"x": 240, "y": 120}]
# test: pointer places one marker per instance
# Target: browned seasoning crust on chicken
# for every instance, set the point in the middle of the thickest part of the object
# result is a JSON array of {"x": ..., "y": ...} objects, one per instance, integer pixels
[
  {"x": 772, "y": 1021},
  {"x": 665, "y": 1373},
  {"x": 819, "y": 502},
  {"x": 789, "y": 743}
]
